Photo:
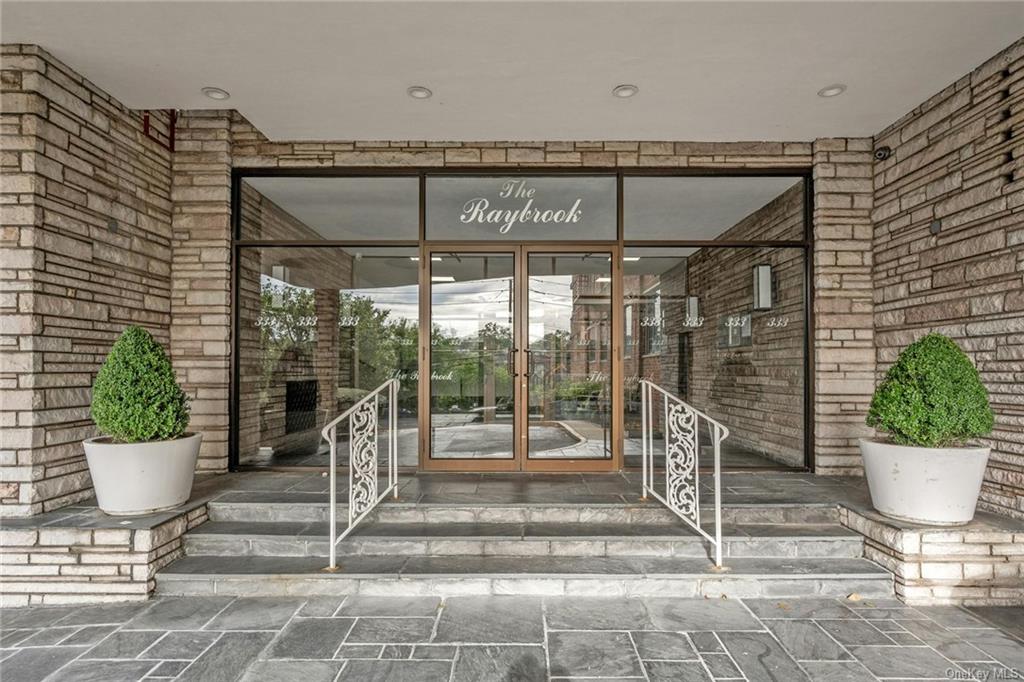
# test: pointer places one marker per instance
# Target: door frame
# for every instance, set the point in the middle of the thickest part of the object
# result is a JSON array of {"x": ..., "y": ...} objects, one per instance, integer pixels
[{"x": 520, "y": 461}]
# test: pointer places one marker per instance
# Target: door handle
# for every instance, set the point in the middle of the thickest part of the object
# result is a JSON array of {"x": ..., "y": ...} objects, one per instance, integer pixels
[
  {"x": 512, "y": 362},
  {"x": 529, "y": 362}
]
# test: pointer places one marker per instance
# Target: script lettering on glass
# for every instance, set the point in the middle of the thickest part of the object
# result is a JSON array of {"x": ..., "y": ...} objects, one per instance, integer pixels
[{"x": 478, "y": 209}]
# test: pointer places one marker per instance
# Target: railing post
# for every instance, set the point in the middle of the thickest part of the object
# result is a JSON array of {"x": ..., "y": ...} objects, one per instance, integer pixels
[
  {"x": 643, "y": 436},
  {"x": 393, "y": 440},
  {"x": 718, "y": 497},
  {"x": 334, "y": 497}
]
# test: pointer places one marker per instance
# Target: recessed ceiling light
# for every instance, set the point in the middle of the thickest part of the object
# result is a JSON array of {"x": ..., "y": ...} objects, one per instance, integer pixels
[
  {"x": 832, "y": 90},
  {"x": 442, "y": 278},
  {"x": 625, "y": 90},
  {"x": 603, "y": 279},
  {"x": 419, "y": 92},
  {"x": 216, "y": 93}
]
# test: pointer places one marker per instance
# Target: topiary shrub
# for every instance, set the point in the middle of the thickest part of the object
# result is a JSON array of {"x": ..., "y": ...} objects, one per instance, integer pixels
[
  {"x": 135, "y": 397},
  {"x": 931, "y": 397}
]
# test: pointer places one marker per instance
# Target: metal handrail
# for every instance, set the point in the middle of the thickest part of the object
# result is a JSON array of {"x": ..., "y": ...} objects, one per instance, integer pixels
[
  {"x": 362, "y": 459},
  {"x": 682, "y": 459}
]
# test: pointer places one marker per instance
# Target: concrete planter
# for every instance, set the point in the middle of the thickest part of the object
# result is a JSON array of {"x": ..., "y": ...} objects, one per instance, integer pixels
[
  {"x": 141, "y": 478},
  {"x": 935, "y": 486}
]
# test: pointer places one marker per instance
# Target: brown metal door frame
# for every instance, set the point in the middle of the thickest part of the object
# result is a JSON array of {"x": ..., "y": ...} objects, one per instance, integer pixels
[{"x": 520, "y": 333}]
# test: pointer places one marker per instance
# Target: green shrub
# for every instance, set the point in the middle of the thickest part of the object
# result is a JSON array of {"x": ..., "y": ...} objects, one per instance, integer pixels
[
  {"x": 135, "y": 397},
  {"x": 931, "y": 397}
]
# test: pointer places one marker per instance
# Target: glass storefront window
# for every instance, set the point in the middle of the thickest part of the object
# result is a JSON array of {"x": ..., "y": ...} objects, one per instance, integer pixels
[
  {"x": 711, "y": 347},
  {"x": 339, "y": 209},
  {"x": 521, "y": 208},
  {"x": 318, "y": 329},
  {"x": 752, "y": 208}
]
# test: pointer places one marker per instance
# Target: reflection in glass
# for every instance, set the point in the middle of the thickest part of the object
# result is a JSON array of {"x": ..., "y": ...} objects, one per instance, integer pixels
[
  {"x": 471, "y": 328},
  {"x": 569, "y": 355},
  {"x": 319, "y": 328},
  {"x": 741, "y": 366},
  {"x": 713, "y": 208}
]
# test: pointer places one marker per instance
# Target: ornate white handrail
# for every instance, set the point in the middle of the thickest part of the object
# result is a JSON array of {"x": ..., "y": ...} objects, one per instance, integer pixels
[
  {"x": 364, "y": 429},
  {"x": 682, "y": 459}
]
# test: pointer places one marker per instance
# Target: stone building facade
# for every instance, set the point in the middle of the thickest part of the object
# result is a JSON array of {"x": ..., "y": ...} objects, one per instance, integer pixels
[{"x": 104, "y": 227}]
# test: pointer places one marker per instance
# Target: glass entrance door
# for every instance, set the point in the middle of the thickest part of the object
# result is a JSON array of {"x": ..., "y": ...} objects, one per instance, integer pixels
[{"x": 520, "y": 359}]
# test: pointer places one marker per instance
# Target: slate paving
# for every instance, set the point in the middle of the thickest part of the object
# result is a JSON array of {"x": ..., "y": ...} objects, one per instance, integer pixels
[{"x": 508, "y": 639}]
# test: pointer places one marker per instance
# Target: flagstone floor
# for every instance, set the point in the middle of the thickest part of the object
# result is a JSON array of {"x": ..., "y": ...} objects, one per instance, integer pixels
[{"x": 477, "y": 639}]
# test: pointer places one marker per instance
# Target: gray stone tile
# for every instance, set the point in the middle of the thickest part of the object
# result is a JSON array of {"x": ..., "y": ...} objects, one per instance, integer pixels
[
  {"x": 125, "y": 644},
  {"x": 311, "y": 638},
  {"x": 498, "y": 663},
  {"x": 178, "y": 613},
  {"x": 671, "y": 646},
  {"x": 837, "y": 671},
  {"x": 101, "y": 614},
  {"x": 396, "y": 651},
  {"x": 596, "y": 653},
  {"x": 320, "y": 606},
  {"x": 1010, "y": 619},
  {"x": 805, "y": 641},
  {"x": 89, "y": 635},
  {"x": 49, "y": 636},
  {"x": 181, "y": 644},
  {"x": 292, "y": 671},
  {"x": 676, "y": 671},
  {"x": 395, "y": 671},
  {"x": 706, "y": 641},
  {"x": 953, "y": 617},
  {"x": 39, "y": 617},
  {"x": 721, "y": 666},
  {"x": 760, "y": 658},
  {"x": 803, "y": 608},
  {"x": 104, "y": 671},
  {"x": 390, "y": 606},
  {"x": 491, "y": 620},
  {"x": 9, "y": 638},
  {"x": 227, "y": 659},
  {"x": 596, "y": 613},
  {"x": 854, "y": 632},
  {"x": 359, "y": 651},
  {"x": 255, "y": 613},
  {"x": 32, "y": 665},
  {"x": 390, "y": 630},
  {"x": 168, "y": 669},
  {"x": 430, "y": 651},
  {"x": 906, "y": 662},
  {"x": 699, "y": 614},
  {"x": 1007, "y": 651}
]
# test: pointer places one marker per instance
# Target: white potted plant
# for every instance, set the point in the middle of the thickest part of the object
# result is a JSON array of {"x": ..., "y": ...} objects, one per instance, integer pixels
[
  {"x": 931, "y": 404},
  {"x": 145, "y": 461}
]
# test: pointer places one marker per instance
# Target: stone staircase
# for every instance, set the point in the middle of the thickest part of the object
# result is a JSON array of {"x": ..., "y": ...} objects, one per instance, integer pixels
[{"x": 279, "y": 547}]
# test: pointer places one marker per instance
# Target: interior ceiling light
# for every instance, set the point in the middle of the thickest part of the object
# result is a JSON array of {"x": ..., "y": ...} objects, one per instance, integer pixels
[
  {"x": 216, "y": 93},
  {"x": 625, "y": 90},
  {"x": 833, "y": 90},
  {"x": 419, "y": 92},
  {"x": 442, "y": 278}
]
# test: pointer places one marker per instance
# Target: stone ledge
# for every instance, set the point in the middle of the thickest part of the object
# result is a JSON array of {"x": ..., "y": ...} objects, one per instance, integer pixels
[{"x": 981, "y": 563}]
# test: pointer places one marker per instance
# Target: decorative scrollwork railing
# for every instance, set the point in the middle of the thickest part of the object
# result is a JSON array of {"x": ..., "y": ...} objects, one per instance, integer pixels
[
  {"x": 681, "y": 428},
  {"x": 364, "y": 431}
]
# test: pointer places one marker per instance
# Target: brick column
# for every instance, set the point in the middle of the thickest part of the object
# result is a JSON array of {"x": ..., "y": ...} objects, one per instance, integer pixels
[
  {"x": 844, "y": 353},
  {"x": 201, "y": 276}
]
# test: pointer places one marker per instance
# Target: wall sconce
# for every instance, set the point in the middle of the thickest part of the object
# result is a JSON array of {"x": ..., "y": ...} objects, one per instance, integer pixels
[
  {"x": 762, "y": 287},
  {"x": 692, "y": 307}
]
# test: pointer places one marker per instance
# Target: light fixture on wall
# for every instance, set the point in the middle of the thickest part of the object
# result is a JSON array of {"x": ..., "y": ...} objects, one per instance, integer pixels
[
  {"x": 762, "y": 287},
  {"x": 833, "y": 90},
  {"x": 692, "y": 307},
  {"x": 419, "y": 92},
  {"x": 216, "y": 93},
  {"x": 625, "y": 91}
]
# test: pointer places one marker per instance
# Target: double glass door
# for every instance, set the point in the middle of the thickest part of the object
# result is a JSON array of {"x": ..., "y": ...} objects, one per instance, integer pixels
[{"x": 519, "y": 356}]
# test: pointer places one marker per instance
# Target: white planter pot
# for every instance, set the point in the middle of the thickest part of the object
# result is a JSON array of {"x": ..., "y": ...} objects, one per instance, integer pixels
[
  {"x": 935, "y": 486},
  {"x": 141, "y": 478}
]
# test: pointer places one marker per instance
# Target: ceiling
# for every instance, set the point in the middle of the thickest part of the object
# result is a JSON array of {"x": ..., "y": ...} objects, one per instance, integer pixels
[{"x": 526, "y": 70}]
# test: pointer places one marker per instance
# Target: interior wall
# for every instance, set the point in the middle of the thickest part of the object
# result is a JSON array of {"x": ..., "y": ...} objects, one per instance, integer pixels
[
  {"x": 949, "y": 245},
  {"x": 86, "y": 239}
]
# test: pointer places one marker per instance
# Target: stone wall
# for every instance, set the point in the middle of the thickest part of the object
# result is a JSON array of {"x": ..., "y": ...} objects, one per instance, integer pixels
[
  {"x": 949, "y": 245},
  {"x": 86, "y": 251}
]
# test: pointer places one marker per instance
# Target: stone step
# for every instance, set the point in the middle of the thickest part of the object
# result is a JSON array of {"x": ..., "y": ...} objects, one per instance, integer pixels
[
  {"x": 312, "y": 507},
  {"x": 235, "y": 538},
  {"x": 451, "y": 576}
]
